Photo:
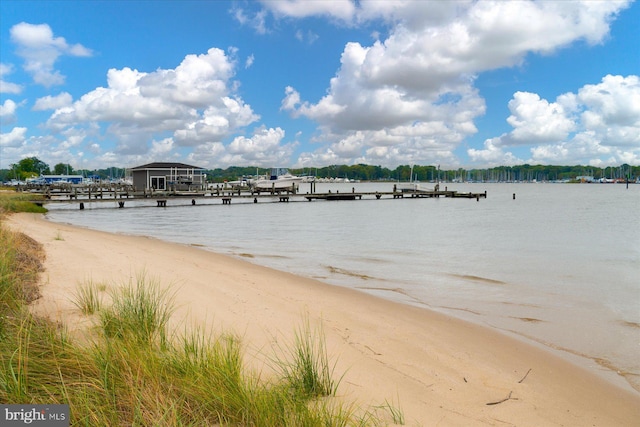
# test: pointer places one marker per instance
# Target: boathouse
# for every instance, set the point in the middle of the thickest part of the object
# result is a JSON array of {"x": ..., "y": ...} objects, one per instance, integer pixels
[
  {"x": 60, "y": 179},
  {"x": 167, "y": 176}
]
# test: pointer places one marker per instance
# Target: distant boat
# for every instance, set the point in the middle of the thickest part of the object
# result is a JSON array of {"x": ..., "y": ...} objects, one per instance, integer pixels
[
  {"x": 412, "y": 186},
  {"x": 241, "y": 183},
  {"x": 278, "y": 179}
]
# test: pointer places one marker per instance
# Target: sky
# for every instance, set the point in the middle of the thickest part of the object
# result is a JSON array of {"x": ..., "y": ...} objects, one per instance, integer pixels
[{"x": 313, "y": 83}]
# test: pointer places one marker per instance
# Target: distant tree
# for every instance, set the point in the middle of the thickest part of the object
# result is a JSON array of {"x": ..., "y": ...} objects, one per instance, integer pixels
[
  {"x": 63, "y": 169},
  {"x": 29, "y": 167},
  {"x": 33, "y": 164}
]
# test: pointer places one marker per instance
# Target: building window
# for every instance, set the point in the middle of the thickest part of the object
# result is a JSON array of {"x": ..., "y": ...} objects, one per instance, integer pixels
[{"x": 158, "y": 183}]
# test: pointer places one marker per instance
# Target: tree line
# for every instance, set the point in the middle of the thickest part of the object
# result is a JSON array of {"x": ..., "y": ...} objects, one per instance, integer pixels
[{"x": 32, "y": 167}]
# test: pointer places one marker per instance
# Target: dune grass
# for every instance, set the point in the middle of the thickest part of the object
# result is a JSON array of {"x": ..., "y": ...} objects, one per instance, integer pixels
[
  {"x": 305, "y": 363},
  {"x": 134, "y": 371},
  {"x": 13, "y": 201},
  {"x": 88, "y": 297}
]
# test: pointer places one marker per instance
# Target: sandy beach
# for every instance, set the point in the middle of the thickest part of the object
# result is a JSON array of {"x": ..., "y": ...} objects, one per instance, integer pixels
[{"x": 439, "y": 370}]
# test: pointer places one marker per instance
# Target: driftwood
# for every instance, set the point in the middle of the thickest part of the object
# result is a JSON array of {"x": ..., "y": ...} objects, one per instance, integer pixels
[
  {"x": 510, "y": 393},
  {"x": 500, "y": 401},
  {"x": 525, "y": 376}
]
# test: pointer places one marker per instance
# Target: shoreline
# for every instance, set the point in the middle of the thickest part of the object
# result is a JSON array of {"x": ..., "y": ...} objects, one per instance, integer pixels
[
  {"x": 594, "y": 365},
  {"x": 438, "y": 369}
]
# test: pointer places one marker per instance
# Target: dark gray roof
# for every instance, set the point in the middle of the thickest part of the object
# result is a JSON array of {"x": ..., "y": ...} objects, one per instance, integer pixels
[{"x": 165, "y": 165}]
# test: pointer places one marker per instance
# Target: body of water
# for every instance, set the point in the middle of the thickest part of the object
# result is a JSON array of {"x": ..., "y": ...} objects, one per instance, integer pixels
[{"x": 559, "y": 264}]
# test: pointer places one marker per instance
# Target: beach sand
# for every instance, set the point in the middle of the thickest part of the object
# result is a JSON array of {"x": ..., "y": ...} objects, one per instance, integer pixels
[{"x": 440, "y": 371}]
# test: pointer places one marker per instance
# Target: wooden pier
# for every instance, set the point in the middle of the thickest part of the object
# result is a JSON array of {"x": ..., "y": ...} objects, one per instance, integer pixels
[{"x": 120, "y": 195}]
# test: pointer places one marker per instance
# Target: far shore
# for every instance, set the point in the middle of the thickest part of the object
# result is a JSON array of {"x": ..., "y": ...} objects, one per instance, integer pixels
[{"x": 439, "y": 370}]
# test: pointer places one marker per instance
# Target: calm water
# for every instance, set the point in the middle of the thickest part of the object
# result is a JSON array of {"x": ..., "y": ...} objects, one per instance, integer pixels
[{"x": 560, "y": 264}]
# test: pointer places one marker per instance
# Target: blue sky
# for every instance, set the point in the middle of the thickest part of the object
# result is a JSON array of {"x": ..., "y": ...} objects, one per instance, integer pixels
[{"x": 313, "y": 83}]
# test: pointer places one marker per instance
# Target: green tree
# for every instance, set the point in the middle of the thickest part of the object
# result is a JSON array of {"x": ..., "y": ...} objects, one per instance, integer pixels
[
  {"x": 63, "y": 169},
  {"x": 29, "y": 167}
]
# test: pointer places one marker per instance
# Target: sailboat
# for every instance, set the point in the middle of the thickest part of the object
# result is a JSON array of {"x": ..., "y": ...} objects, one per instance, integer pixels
[{"x": 411, "y": 186}]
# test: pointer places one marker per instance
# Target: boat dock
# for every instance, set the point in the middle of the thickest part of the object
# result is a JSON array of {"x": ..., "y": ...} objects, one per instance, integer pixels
[{"x": 120, "y": 195}]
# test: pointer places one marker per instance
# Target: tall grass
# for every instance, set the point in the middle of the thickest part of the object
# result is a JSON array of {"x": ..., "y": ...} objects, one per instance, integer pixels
[
  {"x": 306, "y": 365},
  {"x": 140, "y": 310},
  {"x": 12, "y": 201},
  {"x": 88, "y": 298},
  {"x": 134, "y": 371}
]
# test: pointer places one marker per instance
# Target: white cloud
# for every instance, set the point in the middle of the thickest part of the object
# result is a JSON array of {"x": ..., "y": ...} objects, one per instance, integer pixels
[
  {"x": 15, "y": 138},
  {"x": 308, "y": 37},
  {"x": 8, "y": 111},
  {"x": 5, "y": 86},
  {"x": 493, "y": 155},
  {"x": 536, "y": 120},
  {"x": 40, "y": 50},
  {"x": 263, "y": 148},
  {"x": 61, "y": 100},
  {"x": 160, "y": 149},
  {"x": 408, "y": 97},
  {"x": 195, "y": 102},
  {"x": 167, "y": 114},
  {"x": 257, "y": 21},
  {"x": 249, "y": 61},
  {"x": 423, "y": 73},
  {"x": 388, "y": 114},
  {"x": 600, "y": 121},
  {"x": 613, "y": 105},
  {"x": 13, "y": 147},
  {"x": 341, "y": 9},
  {"x": 197, "y": 82},
  {"x": 73, "y": 137},
  {"x": 291, "y": 100}
]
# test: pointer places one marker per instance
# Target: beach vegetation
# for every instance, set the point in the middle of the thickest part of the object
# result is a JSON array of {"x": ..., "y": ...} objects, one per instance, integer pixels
[
  {"x": 140, "y": 310},
  {"x": 397, "y": 415},
  {"x": 131, "y": 369},
  {"x": 88, "y": 297},
  {"x": 12, "y": 201},
  {"x": 305, "y": 363}
]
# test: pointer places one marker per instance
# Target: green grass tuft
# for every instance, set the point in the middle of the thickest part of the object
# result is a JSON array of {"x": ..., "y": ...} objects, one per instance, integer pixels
[
  {"x": 88, "y": 298},
  {"x": 305, "y": 364},
  {"x": 140, "y": 310}
]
